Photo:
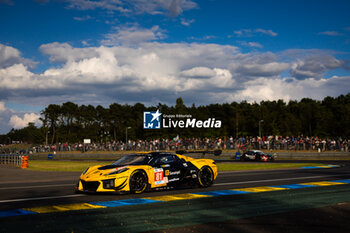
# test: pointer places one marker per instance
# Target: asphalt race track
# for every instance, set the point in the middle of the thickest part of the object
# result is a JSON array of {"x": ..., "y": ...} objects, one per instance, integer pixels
[{"x": 303, "y": 197}]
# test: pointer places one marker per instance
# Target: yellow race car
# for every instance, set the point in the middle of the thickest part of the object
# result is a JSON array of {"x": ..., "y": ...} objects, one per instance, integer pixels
[{"x": 139, "y": 172}]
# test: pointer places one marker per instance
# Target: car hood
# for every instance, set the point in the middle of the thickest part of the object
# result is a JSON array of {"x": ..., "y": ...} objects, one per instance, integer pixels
[{"x": 100, "y": 172}]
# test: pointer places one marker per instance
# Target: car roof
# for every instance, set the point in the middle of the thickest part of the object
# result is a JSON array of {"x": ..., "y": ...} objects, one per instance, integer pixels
[{"x": 160, "y": 153}]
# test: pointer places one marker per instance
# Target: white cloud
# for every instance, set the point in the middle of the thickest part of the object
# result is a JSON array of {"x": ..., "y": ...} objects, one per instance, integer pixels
[
  {"x": 17, "y": 118},
  {"x": 119, "y": 71},
  {"x": 202, "y": 78},
  {"x": 18, "y": 122},
  {"x": 2, "y": 106},
  {"x": 113, "y": 5},
  {"x": 251, "y": 44},
  {"x": 133, "y": 35},
  {"x": 15, "y": 76},
  {"x": 330, "y": 33},
  {"x": 259, "y": 70},
  {"x": 186, "y": 22},
  {"x": 243, "y": 33},
  {"x": 172, "y": 8},
  {"x": 84, "y": 18},
  {"x": 266, "y": 32},
  {"x": 63, "y": 52},
  {"x": 255, "y": 44},
  {"x": 155, "y": 72},
  {"x": 289, "y": 89},
  {"x": 254, "y": 32},
  {"x": 198, "y": 72},
  {"x": 203, "y": 38},
  {"x": 10, "y": 56},
  {"x": 314, "y": 66},
  {"x": 85, "y": 43}
]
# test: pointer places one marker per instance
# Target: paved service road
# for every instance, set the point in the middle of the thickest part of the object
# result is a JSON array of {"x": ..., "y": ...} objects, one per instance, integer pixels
[{"x": 253, "y": 204}]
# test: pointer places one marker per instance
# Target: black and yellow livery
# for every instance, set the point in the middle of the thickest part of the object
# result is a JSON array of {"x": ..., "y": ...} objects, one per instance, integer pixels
[{"x": 139, "y": 172}]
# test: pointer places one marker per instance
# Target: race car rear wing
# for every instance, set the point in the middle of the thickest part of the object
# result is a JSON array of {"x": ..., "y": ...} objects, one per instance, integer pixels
[{"x": 203, "y": 152}]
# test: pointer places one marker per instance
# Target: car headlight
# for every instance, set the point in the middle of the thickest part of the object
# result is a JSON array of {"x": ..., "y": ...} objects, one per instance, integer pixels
[
  {"x": 117, "y": 171},
  {"x": 85, "y": 171}
]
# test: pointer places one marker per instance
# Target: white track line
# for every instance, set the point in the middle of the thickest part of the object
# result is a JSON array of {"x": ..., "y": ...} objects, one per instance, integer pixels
[
  {"x": 38, "y": 186},
  {"x": 41, "y": 198}
]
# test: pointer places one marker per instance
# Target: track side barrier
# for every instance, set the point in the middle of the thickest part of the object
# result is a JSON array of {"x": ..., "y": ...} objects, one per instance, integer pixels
[
  {"x": 25, "y": 163},
  {"x": 15, "y": 160}
]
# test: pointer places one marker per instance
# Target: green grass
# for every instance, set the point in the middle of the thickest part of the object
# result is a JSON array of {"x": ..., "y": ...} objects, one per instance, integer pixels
[{"x": 65, "y": 166}]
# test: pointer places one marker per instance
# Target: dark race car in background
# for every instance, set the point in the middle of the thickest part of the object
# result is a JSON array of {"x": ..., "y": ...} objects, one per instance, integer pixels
[{"x": 256, "y": 155}]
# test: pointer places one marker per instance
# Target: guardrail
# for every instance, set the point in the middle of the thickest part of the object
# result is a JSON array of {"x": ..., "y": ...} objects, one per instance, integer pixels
[{"x": 15, "y": 160}]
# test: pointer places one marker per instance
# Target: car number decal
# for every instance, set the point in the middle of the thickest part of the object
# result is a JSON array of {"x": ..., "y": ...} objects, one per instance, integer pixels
[{"x": 158, "y": 174}]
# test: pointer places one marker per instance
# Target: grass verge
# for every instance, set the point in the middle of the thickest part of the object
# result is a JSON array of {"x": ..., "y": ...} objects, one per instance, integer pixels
[
  {"x": 64, "y": 166},
  {"x": 76, "y": 166}
]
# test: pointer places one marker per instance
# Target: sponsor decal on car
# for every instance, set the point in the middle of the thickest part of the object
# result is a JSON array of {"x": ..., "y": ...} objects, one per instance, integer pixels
[
  {"x": 117, "y": 169},
  {"x": 161, "y": 176},
  {"x": 173, "y": 179},
  {"x": 163, "y": 181},
  {"x": 174, "y": 173},
  {"x": 158, "y": 174}
]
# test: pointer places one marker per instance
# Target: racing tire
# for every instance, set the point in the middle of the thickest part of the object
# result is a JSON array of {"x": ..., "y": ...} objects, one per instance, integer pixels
[
  {"x": 138, "y": 182},
  {"x": 205, "y": 177}
]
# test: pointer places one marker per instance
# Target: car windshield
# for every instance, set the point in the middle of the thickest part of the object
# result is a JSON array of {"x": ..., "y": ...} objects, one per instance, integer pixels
[{"x": 133, "y": 159}]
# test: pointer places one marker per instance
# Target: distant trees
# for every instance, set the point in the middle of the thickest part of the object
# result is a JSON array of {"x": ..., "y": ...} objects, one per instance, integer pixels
[
  {"x": 70, "y": 122},
  {"x": 30, "y": 134}
]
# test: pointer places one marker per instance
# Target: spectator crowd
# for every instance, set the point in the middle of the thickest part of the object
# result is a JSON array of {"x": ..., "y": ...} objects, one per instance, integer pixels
[{"x": 226, "y": 143}]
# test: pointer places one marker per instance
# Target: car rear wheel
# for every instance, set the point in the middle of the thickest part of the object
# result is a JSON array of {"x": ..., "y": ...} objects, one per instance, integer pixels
[
  {"x": 138, "y": 182},
  {"x": 205, "y": 177}
]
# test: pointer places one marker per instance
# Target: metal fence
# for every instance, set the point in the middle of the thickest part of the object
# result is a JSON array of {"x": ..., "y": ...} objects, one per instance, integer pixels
[{"x": 13, "y": 160}]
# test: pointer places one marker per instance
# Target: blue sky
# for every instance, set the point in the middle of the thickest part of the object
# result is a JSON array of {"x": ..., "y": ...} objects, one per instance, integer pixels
[{"x": 150, "y": 51}]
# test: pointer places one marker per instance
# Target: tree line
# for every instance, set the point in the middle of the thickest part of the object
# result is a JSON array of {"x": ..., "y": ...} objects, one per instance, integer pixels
[{"x": 72, "y": 123}]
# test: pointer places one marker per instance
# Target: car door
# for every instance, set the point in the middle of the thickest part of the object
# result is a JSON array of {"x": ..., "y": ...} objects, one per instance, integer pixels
[
  {"x": 250, "y": 155},
  {"x": 169, "y": 164}
]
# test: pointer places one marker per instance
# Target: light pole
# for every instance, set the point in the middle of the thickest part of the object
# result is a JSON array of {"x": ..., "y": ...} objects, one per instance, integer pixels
[
  {"x": 126, "y": 135},
  {"x": 46, "y": 134},
  {"x": 260, "y": 132}
]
